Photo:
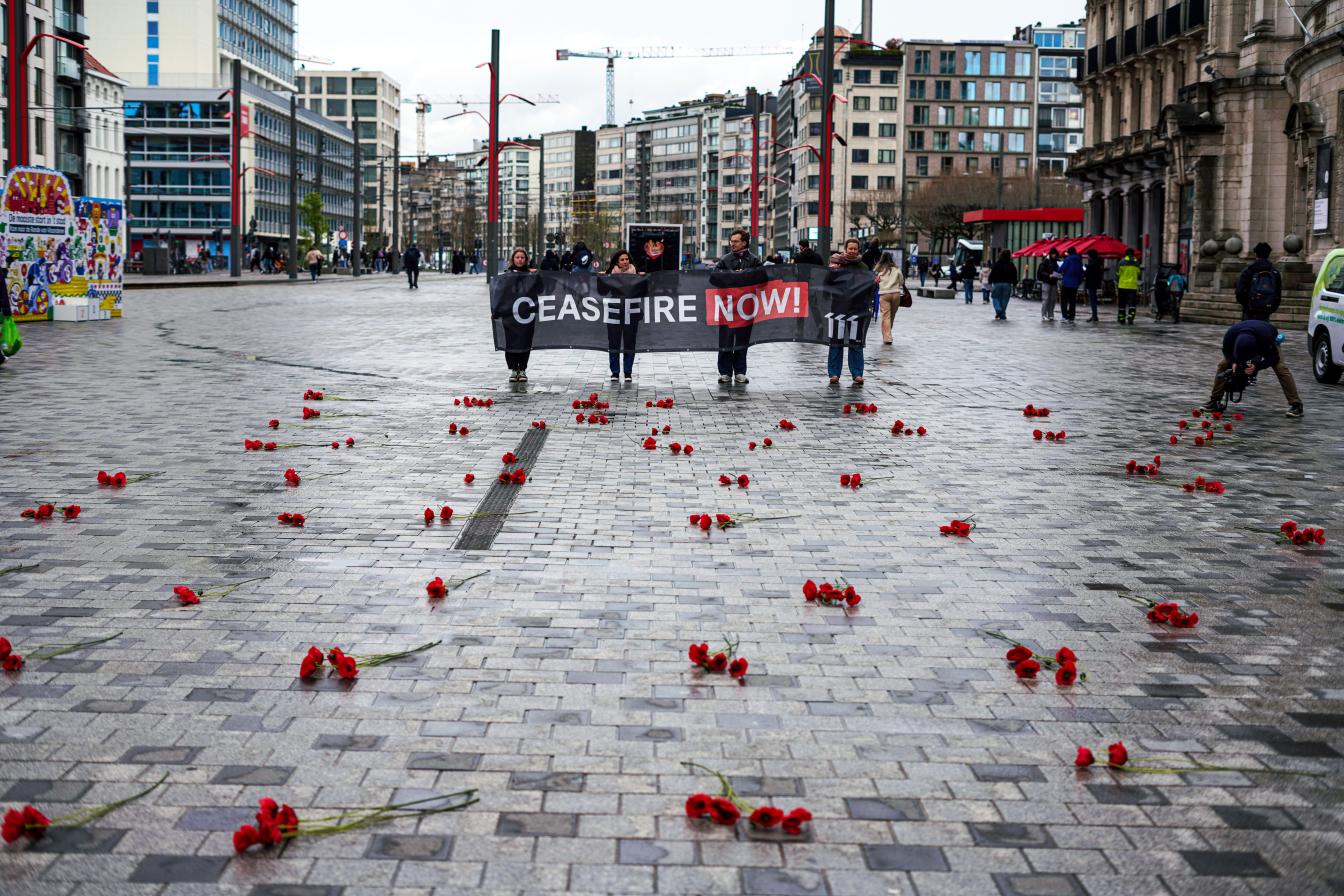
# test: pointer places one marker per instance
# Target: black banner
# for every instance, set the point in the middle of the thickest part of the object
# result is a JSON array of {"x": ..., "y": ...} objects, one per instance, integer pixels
[{"x": 689, "y": 311}]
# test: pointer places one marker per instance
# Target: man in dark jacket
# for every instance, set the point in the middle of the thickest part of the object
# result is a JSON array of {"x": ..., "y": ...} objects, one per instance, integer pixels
[
  {"x": 733, "y": 341},
  {"x": 922, "y": 266},
  {"x": 806, "y": 254},
  {"x": 1247, "y": 347},
  {"x": 1260, "y": 286},
  {"x": 1070, "y": 278},
  {"x": 410, "y": 259},
  {"x": 872, "y": 255}
]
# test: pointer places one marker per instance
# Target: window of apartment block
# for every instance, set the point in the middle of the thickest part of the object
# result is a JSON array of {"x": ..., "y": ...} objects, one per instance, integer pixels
[
  {"x": 887, "y": 103},
  {"x": 862, "y": 103},
  {"x": 863, "y": 76},
  {"x": 942, "y": 90},
  {"x": 858, "y": 182},
  {"x": 970, "y": 116},
  {"x": 947, "y": 62},
  {"x": 1017, "y": 92},
  {"x": 813, "y": 207},
  {"x": 889, "y": 76},
  {"x": 995, "y": 163},
  {"x": 995, "y": 118},
  {"x": 920, "y": 116},
  {"x": 942, "y": 140},
  {"x": 993, "y": 91},
  {"x": 886, "y": 181},
  {"x": 971, "y": 62},
  {"x": 1050, "y": 39},
  {"x": 1017, "y": 142},
  {"x": 972, "y": 164},
  {"x": 314, "y": 85},
  {"x": 858, "y": 156},
  {"x": 992, "y": 142},
  {"x": 1021, "y": 116},
  {"x": 860, "y": 128},
  {"x": 998, "y": 62},
  {"x": 1022, "y": 165},
  {"x": 945, "y": 165},
  {"x": 922, "y": 62},
  {"x": 966, "y": 141},
  {"x": 947, "y": 115},
  {"x": 814, "y": 181},
  {"x": 336, "y": 85},
  {"x": 336, "y": 108},
  {"x": 1022, "y": 64},
  {"x": 889, "y": 130},
  {"x": 916, "y": 89},
  {"x": 365, "y": 108},
  {"x": 299, "y": 80},
  {"x": 914, "y": 139},
  {"x": 886, "y": 157},
  {"x": 364, "y": 86},
  {"x": 968, "y": 91},
  {"x": 1056, "y": 67},
  {"x": 922, "y": 166}
]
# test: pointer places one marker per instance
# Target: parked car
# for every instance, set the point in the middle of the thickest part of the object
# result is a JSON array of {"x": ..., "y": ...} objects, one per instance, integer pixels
[{"x": 1325, "y": 323}]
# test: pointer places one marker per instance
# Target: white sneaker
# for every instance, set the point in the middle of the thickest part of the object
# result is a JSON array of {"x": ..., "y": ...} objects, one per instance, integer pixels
[
  {"x": 522, "y": 376},
  {"x": 513, "y": 376},
  {"x": 725, "y": 379},
  {"x": 742, "y": 378}
]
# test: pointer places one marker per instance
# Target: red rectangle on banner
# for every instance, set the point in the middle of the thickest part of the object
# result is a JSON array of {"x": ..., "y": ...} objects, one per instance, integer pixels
[
  {"x": 741, "y": 306},
  {"x": 245, "y": 122}
]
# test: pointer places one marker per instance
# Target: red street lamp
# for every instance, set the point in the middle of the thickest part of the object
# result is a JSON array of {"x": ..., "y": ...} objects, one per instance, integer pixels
[
  {"x": 18, "y": 115},
  {"x": 828, "y": 134}
]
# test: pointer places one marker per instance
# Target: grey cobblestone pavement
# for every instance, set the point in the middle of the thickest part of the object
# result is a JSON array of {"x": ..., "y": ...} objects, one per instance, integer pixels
[{"x": 562, "y": 691}]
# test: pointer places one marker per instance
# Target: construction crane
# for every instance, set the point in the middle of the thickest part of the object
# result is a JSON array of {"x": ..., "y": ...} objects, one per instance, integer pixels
[
  {"x": 611, "y": 54},
  {"x": 424, "y": 105}
]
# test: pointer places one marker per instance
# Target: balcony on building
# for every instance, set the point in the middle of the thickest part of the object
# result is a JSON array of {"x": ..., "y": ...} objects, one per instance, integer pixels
[
  {"x": 1180, "y": 19},
  {"x": 70, "y": 163},
  {"x": 70, "y": 23},
  {"x": 72, "y": 119},
  {"x": 67, "y": 68}
]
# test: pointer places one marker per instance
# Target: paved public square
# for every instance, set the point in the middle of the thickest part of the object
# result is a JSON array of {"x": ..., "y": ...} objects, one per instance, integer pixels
[{"x": 562, "y": 691}]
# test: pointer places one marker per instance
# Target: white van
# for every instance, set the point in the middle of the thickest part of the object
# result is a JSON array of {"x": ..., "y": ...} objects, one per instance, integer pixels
[{"x": 1325, "y": 325}]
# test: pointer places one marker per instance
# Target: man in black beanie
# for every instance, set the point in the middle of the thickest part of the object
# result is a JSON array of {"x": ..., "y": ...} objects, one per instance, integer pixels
[{"x": 1249, "y": 346}]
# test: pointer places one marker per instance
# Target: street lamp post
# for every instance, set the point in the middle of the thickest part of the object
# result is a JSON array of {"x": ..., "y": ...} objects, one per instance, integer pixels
[
  {"x": 293, "y": 186},
  {"x": 828, "y": 122},
  {"x": 18, "y": 100}
]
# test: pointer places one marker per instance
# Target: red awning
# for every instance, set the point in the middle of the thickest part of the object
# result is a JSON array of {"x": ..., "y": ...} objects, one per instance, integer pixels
[
  {"x": 1039, "y": 248},
  {"x": 1105, "y": 246}
]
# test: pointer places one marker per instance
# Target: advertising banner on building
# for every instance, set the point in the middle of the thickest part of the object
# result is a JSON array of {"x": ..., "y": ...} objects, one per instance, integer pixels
[
  {"x": 61, "y": 252},
  {"x": 654, "y": 247},
  {"x": 688, "y": 311}
]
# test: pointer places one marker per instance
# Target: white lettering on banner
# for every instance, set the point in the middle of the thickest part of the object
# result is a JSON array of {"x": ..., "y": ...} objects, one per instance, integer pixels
[
  {"x": 611, "y": 306},
  {"x": 520, "y": 302},
  {"x": 776, "y": 303},
  {"x": 546, "y": 308},
  {"x": 568, "y": 308},
  {"x": 633, "y": 309},
  {"x": 686, "y": 309},
  {"x": 662, "y": 309},
  {"x": 740, "y": 306},
  {"x": 590, "y": 309},
  {"x": 723, "y": 306}
]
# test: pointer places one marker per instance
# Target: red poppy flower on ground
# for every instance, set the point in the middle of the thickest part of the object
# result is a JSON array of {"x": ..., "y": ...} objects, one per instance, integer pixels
[
  {"x": 743, "y": 480},
  {"x": 675, "y": 447},
  {"x": 1117, "y": 755},
  {"x": 509, "y": 458},
  {"x": 1066, "y": 674},
  {"x": 751, "y": 446},
  {"x": 706, "y": 522},
  {"x": 698, "y": 653},
  {"x": 844, "y": 479},
  {"x": 436, "y": 589},
  {"x": 518, "y": 477},
  {"x": 1084, "y": 758},
  {"x": 463, "y": 431},
  {"x": 723, "y": 811},
  {"x": 1131, "y": 465},
  {"x": 688, "y": 449},
  {"x": 794, "y": 821},
  {"x": 291, "y": 478},
  {"x": 767, "y": 442},
  {"x": 1037, "y": 434},
  {"x": 1027, "y": 668},
  {"x": 1017, "y": 653},
  {"x": 787, "y": 425},
  {"x": 309, "y": 413},
  {"x": 12, "y": 663},
  {"x": 1065, "y": 655},
  {"x": 921, "y": 431},
  {"x": 810, "y": 590},
  {"x": 847, "y": 408},
  {"x": 104, "y": 478},
  {"x": 650, "y": 443},
  {"x": 245, "y": 838},
  {"x": 469, "y": 478},
  {"x": 766, "y": 816},
  {"x": 1199, "y": 440},
  {"x": 667, "y": 428},
  {"x": 346, "y": 667},
  {"x": 737, "y": 668},
  {"x": 697, "y": 804},
  {"x": 5, "y": 647},
  {"x": 308, "y": 667},
  {"x": 445, "y": 513},
  {"x": 335, "y": 445},
  {"x": 186, "y": 595},
  {"x": 718, "y": 662},
  {"x": 273, "y": 423},
  {"x": 1182, "y": 424},
  {"x": 70, "y": 511},
  {"x": 429, "y": 515},
  {"x": 349, "y": 441}
]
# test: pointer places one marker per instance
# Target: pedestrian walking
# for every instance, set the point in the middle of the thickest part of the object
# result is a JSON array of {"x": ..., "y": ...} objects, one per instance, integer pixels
[
  {"x": 806, "y": 254},
  {"x": 519, "y": 263},
  {"x": 937, "y": 269},
  {"x": 872, "y": 255},
  {"x": 621, "y": 335},
  {"x": 550, "y": 261},
  {"x": 1002, "y": 282},
  {"x": 1176, "y": 287},
  {"x": 1127, "y": 288},
  {"x": 1092, "y": 280},
  {"x": 968, "y": 277},
  {"x": 1071, "y": 274},
  {"x": 1047, "y": 274},
  {"x": 1248, "y": 346},
  {"x": 1260, "y": 286},
  {"x": 204, "y": 255},
  {"x": 848, "y": 260},
  {"x": 922, "y": 267},
  {"x": 410, "y": 260},
  {"x": 253, "y": 260},
  {"x": 890, "y": 291},
  {"x": 984, "y": 281},
  {"x": 733, "y": 341},
  {"x": 314, "y": 259}
]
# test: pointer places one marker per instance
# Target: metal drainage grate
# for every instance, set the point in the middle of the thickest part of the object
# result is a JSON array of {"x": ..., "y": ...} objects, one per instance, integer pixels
[{"x": 479, "y": 533}]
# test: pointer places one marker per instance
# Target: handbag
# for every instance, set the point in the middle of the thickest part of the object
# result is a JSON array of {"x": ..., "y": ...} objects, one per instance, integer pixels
[
  {"x": 906, "y": 299},
  {"x": 10, "y": 340}
]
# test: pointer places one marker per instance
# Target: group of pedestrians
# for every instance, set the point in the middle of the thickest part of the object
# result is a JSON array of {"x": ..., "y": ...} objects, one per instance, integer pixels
[{"x": 733, "y": 341}]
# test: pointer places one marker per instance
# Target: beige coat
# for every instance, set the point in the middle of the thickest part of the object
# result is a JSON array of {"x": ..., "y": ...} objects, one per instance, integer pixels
[{"x": 890, "y": 282}]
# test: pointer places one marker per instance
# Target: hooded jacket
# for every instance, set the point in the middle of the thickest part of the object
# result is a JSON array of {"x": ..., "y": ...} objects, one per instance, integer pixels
[{"x": 1252, "y": 340}]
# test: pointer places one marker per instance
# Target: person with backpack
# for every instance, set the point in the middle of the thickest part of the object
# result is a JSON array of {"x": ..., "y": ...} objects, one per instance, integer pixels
[
  {"x": 1127, "y": 288},
  {"x": 1249, "y": 346},
  {"x": 1071, "y": 276},
  {"x": 1176, "y": 287},
  {"x": 1260, "y": 286}
]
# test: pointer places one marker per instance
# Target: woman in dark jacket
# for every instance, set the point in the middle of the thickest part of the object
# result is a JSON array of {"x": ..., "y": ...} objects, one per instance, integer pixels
[
  {"x": 849, "y": 260},
  {"x": 1092, "y": 279},
  {"x": 519, "y": 263},
  {"x": 1002, "y": 280},
  {"x": 550, "y": 262}
]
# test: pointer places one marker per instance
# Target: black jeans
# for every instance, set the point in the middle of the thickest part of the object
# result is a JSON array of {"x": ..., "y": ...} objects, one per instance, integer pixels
[
  {"x": 517, "y": 360},
  {"x": 1068, "y": 301},
  {"x": 413, "y": 276},
  {"x": 733, "y": 342},
  {"x": 622, "y": 336}
]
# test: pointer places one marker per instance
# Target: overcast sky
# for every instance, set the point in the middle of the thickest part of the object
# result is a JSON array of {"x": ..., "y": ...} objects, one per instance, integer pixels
[{"x": 432, "y": 46}]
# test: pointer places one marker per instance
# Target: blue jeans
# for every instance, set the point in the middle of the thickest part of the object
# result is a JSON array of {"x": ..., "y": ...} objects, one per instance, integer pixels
[
  {"x": 1001, "y": 293},
  {"x": 1092, "y": 299},
  {"x": 834, "y": 359},
  {"x": 922, "y": 276},
  {"x": 970, "y": 290}
]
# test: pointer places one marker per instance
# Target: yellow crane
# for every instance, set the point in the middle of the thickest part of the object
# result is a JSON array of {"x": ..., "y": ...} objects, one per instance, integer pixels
[{"x": 424, "y": 105}]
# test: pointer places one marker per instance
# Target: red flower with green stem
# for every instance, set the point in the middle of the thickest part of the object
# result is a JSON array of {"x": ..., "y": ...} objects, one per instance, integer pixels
[
  {"x": 347, "y": 665},
  {"x": 1119, "y": 760},
  {"x": 827, "y": 594},
  {"x": 29, "y": 822},
  {"x": 1027, "y": 662},
  {"x": 1167, "y": 611},
  {"x": 277, "y": 823},
  {"x": 721, "y": 660},
  {"x": 729, "y": 806}
]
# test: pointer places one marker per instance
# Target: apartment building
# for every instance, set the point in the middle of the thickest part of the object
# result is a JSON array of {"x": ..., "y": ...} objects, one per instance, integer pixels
[
  {"x": 104, "y": 146},
  {"x": 57, "y": 124},
  {"x": 191, "y": 43},
  {"x": 1059, "y": 101},
  {"x": 727, "y": 181},
  {"x": 369, "y": 104},
  {"x": 866, "y": 173},
  {"x": 568, "y": 170},
  {"x": 608, "y": 174},
  {"x": 663, "y": 165}
]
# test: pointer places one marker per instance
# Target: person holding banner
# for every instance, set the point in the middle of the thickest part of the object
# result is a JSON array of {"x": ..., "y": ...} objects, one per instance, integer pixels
[
  {"x": 621, "y": 335},
  {"x": 849, "y": 260},
  {"x": 733, "y": 341},
  {"x": 519, "y": 263}
]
